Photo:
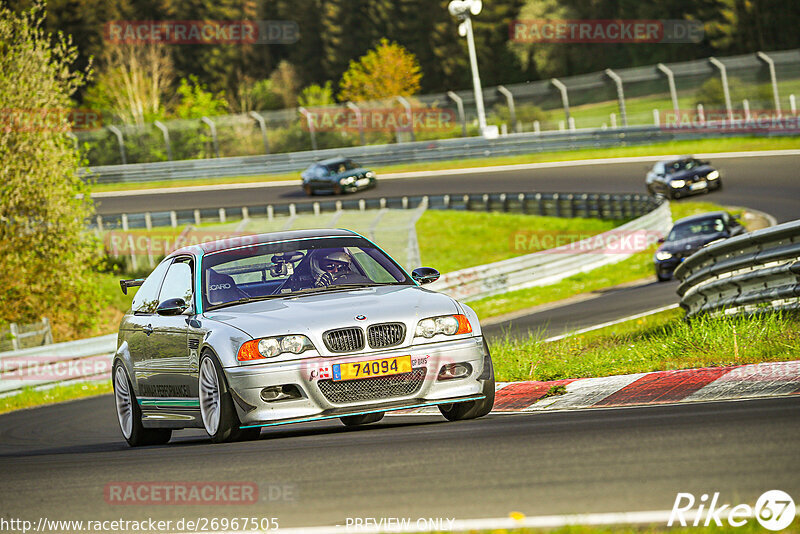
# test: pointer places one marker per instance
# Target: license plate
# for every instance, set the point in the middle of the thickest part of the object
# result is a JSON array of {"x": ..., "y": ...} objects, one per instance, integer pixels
[
  {"x": 362, "y": 182},
  {"x": 698, "y": 185},
  {"x": 372, "y": 368}
]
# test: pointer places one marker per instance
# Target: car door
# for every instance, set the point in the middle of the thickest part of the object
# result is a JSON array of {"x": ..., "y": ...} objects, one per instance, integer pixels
[
  {"x": 169, "y": 357},
  {"x": 137, "y": 326}
]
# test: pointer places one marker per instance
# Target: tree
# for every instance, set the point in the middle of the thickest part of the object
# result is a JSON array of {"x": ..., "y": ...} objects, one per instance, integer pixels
[
  {"x": 196, "y": 101},
  {"x": 46, "y": 257},
  {"x": 388, "y": 70},
  {"x": 316, "y": 96},
  {"x": 134, "y": 84},
  {"x": 286, "y": 83}
]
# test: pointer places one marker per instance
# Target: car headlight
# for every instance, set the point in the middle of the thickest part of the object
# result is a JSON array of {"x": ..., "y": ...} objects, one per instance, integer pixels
[
  {"x": 348, "y": 180},
  {"x": 269, "y": 347},
  {"x": 677, "y": 184},
  {"x": 713, "y": 175},
  {"x": 449, "y": 325},
  {"x": 370, "y": 174},
  {"x": 662, "y": 255}
]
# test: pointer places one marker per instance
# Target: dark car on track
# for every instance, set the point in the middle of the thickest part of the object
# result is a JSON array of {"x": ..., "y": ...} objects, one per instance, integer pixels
[
  {"x": 337, "y": 176},
  {"x": 684, "y": 176},
  {"x": 690, "y": 234}
]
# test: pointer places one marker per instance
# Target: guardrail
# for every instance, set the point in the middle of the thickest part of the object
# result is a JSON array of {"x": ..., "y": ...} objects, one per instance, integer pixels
[
  {"x": 744, "y": 274},
  {"x": 381, "y": 155},
  {"x": 85, "y": 359},
  {"x": 18, "y": 336},
  {"x": 554, "y": 265},
  {"x": 599, "y": 205}
]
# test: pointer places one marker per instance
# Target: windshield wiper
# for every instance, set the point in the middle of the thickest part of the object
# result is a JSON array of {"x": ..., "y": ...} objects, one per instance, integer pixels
[{"x": 329, "y": 288}]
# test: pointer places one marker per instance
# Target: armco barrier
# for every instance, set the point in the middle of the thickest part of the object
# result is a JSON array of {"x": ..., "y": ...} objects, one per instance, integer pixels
[
  {"x": 550, "y": 266},
  {"x": 381, "y": 155},
  {"x": 598, "y": 205},
  {"x": 744, "y": 274},
  {"x": 80, "y": 360}
]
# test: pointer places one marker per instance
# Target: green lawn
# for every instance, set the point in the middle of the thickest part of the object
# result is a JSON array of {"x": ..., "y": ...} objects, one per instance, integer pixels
[
  {"x": 636, "y": 267},
  {"x": 29, "y": 398},
  {"x": 453, "y": 240},
  {"x": 653, "y": 343},
  {"x": 731, "y": 144}
]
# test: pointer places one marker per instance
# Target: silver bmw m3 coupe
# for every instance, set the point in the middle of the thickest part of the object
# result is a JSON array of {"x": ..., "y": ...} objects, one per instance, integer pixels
[{"x": 245, "y": 333}]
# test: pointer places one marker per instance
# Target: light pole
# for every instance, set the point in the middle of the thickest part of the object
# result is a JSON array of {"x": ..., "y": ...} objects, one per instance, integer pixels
[{"x": 462, "y": 9}]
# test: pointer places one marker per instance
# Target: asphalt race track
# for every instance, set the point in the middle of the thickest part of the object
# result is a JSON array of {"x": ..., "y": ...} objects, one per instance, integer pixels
[
  {"x": 768, "y": 184},
  {"x": 56, "y": 462}
]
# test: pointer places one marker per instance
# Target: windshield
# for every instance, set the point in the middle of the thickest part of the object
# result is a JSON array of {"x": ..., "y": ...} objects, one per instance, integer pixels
[
  {"x": 288, "y": 268},
  {"x": 693, "y": 229},
  {"x": 682, "y": 165},
  {"x": 342, "y": 166}
]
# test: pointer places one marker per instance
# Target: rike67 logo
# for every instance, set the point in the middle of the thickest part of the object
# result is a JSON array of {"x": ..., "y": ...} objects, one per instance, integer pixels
[{"x": 774, "y": 510}]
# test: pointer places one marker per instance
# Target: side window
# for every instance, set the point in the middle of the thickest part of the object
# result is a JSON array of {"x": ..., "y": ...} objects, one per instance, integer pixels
[
  {"x": 146, "y": 298},
  {"x": 178, "y": 282}
]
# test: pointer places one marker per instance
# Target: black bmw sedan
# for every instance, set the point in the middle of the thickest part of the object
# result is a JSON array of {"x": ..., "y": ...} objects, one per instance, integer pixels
[
  {"x": 690, "y": 234},
  {"x": 681, "y": 177},
  {"x": 337, "y": 176}
]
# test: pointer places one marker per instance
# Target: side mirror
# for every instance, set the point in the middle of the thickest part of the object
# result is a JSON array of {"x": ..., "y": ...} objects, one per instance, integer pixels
[
  {"x": 425, "y": 275},
  {"x": 661, "y": 239},
  {"x": 174, "y": 306}
]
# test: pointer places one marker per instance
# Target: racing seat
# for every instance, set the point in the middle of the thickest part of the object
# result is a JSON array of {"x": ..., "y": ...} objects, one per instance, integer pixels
[{"x": 222, "y": 288}]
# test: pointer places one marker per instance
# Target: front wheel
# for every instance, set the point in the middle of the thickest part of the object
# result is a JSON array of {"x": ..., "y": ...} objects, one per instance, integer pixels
[
  {"x": 216, "y": 406},
  {"x": 365, "y": 419},
  {"x": 129, "y": 414},
  {"x": 473, "y": 409}
]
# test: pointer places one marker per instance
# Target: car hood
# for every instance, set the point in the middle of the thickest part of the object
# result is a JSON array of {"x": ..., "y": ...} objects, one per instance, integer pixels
[
  {"x": 684, "y": 175},
  {"x": 317, "y": 313},
  {"x": 690, "y": 244}
]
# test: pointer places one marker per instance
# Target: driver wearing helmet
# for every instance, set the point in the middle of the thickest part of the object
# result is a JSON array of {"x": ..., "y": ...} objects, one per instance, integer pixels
[{"x": 330, "y": 265}]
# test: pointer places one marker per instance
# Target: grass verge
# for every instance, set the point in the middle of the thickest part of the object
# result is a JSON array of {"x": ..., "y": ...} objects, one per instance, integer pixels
[
  {"x": 30, "y": 397},
  {"x": 654, "y": 343},
  {"x": 731, "y": 144},
  {"x": 631, "y": 269}
]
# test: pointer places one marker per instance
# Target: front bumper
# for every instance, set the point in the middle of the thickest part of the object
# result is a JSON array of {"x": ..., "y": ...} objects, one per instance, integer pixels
[
  {"x": 247, "y": 382},
  {"x": 696, "y": 188}
]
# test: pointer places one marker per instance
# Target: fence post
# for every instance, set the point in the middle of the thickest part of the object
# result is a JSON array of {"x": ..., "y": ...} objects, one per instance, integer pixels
[
  {"x": 161, "y": 126},
  {"x": 173, "y": 219},
  {"x": 746, "y": 107},
  {"x": 99, "y": 220},
  {"x": 121, "y": 141},
  {"x": 148, "y": 221},
  {"x": 222, "y": 215},
  {"x": 620, "y": 95},
  {"x": 460, "y": 106},
  {"x": 48, "y": 331},
  {"x": 793, "y": 104},
  {"x": 310, "y": 122},
  {"x": 263, "y": 127},
  {"x": 405, "y": 104},
  {"x": 723, "y": 72},
  {"x": 564, "y": 96},
  {"x": 773, "y": 80},
  {"x": 357, "y": 111},
  {"x": 132, "y": 247},
  {"x": 537, "y": 128},
  {"x": 656, "y": 118},
  {"x": 511, "y": 109},
  {"x": 213, "y": 129},
  {"x": 14, "y": 339},
  {"x": 673, "y": 93},
  {"x": 124, "y": 222},
  {"x": 197, "y": 217}
]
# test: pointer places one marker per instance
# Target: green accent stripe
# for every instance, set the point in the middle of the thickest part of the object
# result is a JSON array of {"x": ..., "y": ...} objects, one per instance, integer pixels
[
  {"x": 188, "y": 403},
  {"x": 322, "y": 418}
]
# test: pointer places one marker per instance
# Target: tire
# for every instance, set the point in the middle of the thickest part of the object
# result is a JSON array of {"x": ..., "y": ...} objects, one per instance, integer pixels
[
  {"x": 662, "y": 278},
  {"x": 461, "y": 411},
  {"x": 216, "y": 405},
  {"x": 308, "y": 190},
  {"x": 365, "y": 419},
  {"x": 129, "y": 414}
]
